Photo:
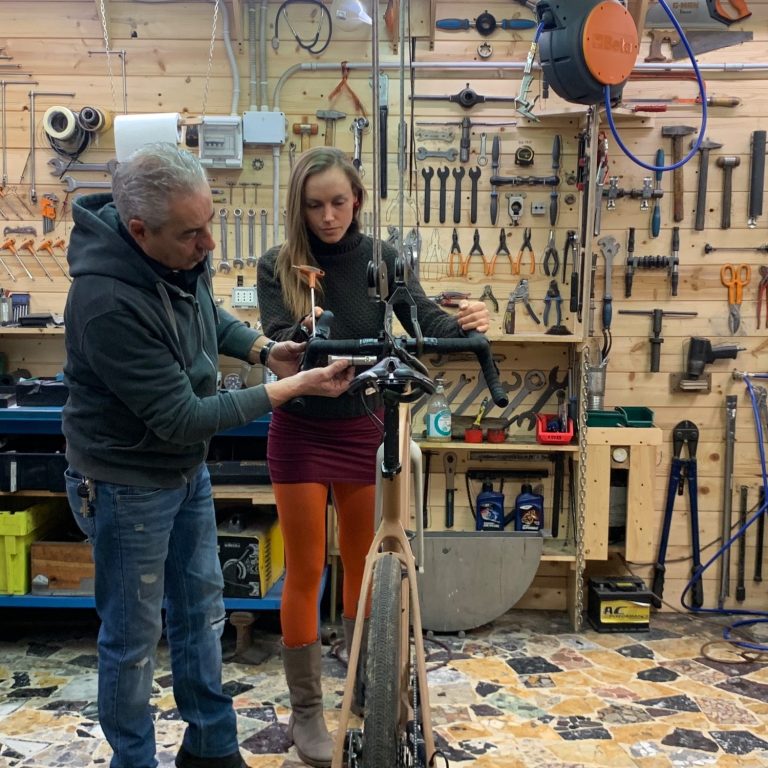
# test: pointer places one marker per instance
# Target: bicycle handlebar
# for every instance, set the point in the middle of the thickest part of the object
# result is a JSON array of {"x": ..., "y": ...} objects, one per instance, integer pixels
[{"x": 477, "y": 343}]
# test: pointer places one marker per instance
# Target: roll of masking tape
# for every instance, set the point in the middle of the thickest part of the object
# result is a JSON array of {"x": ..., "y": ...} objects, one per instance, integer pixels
[
  {"x": 60, "y": 123},
  {"x": 93, "y": 119}
]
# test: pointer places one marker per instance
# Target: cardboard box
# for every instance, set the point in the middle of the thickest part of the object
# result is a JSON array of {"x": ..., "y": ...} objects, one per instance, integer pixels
[
  {"x": 19, "y": 528},
  {"x": 62, "y": 568},
  {"x": 251, "y": 552}
]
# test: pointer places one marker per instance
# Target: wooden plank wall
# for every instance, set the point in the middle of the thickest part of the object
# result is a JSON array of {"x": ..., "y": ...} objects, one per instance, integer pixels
[{"x": 57, "y": 44}]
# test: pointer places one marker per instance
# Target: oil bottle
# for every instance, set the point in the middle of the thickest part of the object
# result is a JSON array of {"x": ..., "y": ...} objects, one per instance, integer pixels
[
  {"x": 490, "y": 509},
  {"x": 529, "y": 510}
]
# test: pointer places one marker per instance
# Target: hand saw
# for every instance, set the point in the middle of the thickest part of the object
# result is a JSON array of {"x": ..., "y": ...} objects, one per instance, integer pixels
[{"x": 700, "y": 15}]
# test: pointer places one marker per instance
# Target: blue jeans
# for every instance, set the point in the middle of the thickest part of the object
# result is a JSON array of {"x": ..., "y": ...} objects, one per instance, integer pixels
[{"x": 150, "y": 544}]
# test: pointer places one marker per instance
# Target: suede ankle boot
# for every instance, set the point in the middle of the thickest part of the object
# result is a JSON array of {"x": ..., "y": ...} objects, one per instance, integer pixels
[
  {"x": 358, "y": 699},
  {"x": 307, "y": 726}
]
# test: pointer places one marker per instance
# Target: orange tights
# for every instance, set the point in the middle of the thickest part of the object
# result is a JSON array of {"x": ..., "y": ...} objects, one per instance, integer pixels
[{"x": 301, "y": 508}]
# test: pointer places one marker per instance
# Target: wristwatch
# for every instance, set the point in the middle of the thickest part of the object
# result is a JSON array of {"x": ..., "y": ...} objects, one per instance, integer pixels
[{"x": 264, "y": 352}]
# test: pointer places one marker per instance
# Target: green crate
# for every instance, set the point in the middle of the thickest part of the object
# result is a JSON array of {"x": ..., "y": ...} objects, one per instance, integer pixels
[
  {"x": 606, "y": 419},
  {"x": 18, "y": 529},
  {"x": 636, "y": 416}
]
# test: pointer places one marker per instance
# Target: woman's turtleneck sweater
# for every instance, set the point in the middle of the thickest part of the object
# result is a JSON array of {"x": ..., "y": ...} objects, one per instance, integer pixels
[{"x": 345, "y": 293}]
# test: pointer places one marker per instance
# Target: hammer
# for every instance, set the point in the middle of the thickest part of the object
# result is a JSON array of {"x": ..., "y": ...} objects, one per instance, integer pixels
[
  {"x": 305, "y": 129},
  {"x": 701, "y": 194},
  {"x": 330, "y": 116},
  {"x": 676, "y": 133},
  {"x": 727, "y": 163}
]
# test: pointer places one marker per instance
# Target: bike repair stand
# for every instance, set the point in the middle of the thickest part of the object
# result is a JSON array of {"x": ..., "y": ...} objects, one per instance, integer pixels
[{"x": 685, "y": 433}]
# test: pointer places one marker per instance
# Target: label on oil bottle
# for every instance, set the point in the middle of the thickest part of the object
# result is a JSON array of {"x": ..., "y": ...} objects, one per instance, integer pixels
[{"x": 624, "y": 612}]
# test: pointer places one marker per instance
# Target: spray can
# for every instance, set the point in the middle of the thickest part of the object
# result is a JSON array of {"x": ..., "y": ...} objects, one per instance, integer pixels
[
  {"x": 529, "y": 510},
  {"x": 490, "y": 509}
]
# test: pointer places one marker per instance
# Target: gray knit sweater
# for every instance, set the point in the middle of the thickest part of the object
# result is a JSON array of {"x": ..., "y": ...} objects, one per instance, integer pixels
[{"x": 345, "y": 293}]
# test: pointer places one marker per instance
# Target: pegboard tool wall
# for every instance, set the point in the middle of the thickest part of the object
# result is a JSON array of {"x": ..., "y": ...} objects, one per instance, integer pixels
[{"x": 166, "y": 61}]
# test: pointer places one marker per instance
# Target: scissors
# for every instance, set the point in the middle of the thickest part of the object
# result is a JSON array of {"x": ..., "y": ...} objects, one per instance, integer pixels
[{"x": 735, "y": 277}]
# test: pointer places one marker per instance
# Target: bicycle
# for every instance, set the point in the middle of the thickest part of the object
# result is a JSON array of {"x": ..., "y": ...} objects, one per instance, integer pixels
[{"x": 397, "y": 728}]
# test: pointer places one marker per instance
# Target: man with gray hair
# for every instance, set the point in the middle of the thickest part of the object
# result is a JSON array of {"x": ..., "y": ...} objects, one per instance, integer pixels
[{"x": 143, "y": 335}]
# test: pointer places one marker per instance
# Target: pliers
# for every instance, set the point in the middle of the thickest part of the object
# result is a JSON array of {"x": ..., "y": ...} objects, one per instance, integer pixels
[
  {"x": 476, "y": 250},
  {"x": 762, "y": 295},
  {"x": 526, "y": 246},
  {"x": 455, "y": 251},
  {"x": 487, "y": 294},
  {"x": 553, "y": 294},
  {"x": 502, "y": 250},
  {"x": 551, "y": 262}
]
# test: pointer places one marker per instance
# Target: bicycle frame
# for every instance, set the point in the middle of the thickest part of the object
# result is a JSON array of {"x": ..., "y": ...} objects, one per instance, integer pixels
[{"x": 391, "y": 537}]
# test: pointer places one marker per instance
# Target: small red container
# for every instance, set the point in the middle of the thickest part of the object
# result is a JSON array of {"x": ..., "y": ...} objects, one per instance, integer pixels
[
  {"x": 544, "y": 437},
  {"x": 496, "y": 435},
  {"x": 473, "y": 435}
]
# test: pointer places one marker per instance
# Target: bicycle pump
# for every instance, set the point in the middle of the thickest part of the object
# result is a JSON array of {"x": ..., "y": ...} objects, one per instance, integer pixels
[{"x": 686, "y": 433}]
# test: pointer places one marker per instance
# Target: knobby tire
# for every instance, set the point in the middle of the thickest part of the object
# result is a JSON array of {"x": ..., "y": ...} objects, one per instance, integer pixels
[{"x": 382, "y": 738}]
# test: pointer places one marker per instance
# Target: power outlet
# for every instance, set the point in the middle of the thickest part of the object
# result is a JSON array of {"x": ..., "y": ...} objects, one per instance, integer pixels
[{"x": 244, "y": 296}]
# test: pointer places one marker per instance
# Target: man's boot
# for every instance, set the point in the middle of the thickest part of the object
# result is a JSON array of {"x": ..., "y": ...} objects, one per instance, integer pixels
[
  {"x": 307, "y": 726},
  {"x": 358, "y": 698}
]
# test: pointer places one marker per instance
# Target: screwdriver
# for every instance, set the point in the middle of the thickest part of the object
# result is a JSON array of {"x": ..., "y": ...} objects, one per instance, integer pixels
[
  {"x": 656, "y": 214},
  {"x": 711, "y": 248}
]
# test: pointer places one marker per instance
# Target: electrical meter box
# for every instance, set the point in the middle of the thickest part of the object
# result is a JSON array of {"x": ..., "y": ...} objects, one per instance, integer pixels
[
  {"x": 221, "y": 141},
  {"x": 264, "y": 128}
]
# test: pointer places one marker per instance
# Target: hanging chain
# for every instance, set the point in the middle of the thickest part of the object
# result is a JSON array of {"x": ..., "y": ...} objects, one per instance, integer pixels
[
  {"x": 108, "y": 54},
  {"x": 582, "y": 492},
  {"x": 210, "y": 56}
]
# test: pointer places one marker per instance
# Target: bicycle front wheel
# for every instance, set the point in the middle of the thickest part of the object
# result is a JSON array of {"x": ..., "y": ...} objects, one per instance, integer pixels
[{"x": 382, "y": 739}]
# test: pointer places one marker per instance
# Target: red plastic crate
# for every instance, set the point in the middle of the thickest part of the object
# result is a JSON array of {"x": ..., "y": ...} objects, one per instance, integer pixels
[{"x": 542, "y": 436}]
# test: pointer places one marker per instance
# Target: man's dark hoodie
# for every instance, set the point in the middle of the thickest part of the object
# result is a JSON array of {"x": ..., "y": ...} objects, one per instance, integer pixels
[{"x": 142, "y": 349}]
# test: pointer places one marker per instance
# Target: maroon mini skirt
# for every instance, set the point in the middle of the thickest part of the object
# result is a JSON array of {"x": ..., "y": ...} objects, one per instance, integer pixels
[{"x": 301, "y": 449}]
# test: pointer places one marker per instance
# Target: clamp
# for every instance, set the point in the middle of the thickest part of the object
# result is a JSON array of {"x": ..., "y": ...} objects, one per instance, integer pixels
[
  {"x": 526, "y": 246},
  {"x": 550, "y": 253},
  {"x": 686, "y": 433}
]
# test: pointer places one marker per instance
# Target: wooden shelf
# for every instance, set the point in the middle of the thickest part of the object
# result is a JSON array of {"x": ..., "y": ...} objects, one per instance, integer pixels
[
  {"x": 509, "y": 446},
  {"x": 51, "y": 331},
  {"x": 558, "y": 550},
  {"x": 537, "y": 338}
]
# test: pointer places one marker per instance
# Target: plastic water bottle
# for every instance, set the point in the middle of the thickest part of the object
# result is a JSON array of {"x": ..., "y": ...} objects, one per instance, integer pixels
[{"x": 438, "y": 415}]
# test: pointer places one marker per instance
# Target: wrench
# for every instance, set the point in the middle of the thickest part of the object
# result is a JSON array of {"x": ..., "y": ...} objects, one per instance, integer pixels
[
  {"x": 508, "y": 387},
  {"x": 237, "y": 262},
  {"x": 19, "y": 231},
  {"x": 61, "y": 166},
  {"x": 443, "y": 174},
  {"x": 359, "y": 125},
  {"x": 609, "y": 247},
  {"x": 251, "y": 259},
  {"x": 481, "y": 387},
  {"x": 427, "y": 173},
  {"x": 263, "y": 227},
  {"x": 224, "y": 265},
  {"x": 532, "y": 382},
  {"x": 72, "y": 184},
  {"x": 458, "y": 175},
  {"x": 482, "y": 158},
  {"x": 553, "y": 386},
  {"x": 422, "y": 153}
]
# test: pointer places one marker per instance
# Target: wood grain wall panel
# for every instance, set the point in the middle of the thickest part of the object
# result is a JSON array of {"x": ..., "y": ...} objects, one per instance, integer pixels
[{"x": 166, "y": 48}]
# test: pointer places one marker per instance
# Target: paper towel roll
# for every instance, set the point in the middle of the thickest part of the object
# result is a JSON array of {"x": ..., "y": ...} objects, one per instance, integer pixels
[{"x": 134, "y": 131}]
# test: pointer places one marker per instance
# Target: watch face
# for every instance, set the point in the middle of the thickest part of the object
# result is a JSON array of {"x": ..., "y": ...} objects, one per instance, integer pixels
[
  {"x": 233, "y": 381},
  {"x": 620, "y": 455}
]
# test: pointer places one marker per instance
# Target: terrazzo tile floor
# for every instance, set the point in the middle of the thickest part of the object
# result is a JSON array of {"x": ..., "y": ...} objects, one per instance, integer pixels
[{"x": 524, "y": 692}]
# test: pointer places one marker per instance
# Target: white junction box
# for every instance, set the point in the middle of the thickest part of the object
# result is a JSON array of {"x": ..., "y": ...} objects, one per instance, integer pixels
[{"x": 264, "y": 128}]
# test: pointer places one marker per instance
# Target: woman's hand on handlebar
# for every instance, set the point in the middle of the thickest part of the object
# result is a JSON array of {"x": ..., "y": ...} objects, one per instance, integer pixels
[
  {"x": 329, "y": 381},
  {"x": 474, "y": 316}
]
